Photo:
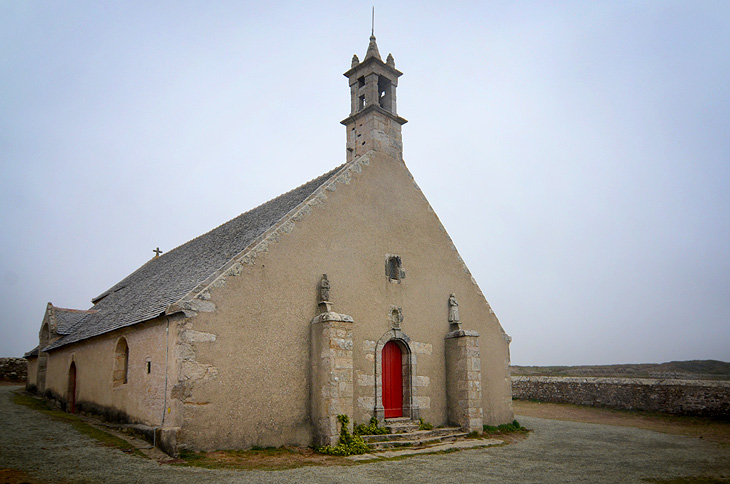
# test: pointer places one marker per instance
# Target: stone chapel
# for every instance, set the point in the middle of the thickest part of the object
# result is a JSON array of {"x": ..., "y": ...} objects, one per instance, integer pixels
[{"x": 343, "y": 296}]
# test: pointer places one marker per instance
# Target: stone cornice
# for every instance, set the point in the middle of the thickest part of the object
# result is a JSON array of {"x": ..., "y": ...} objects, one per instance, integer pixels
[
  {"x": 372, "y": 60},
  {"x": 373, "y": 107}
]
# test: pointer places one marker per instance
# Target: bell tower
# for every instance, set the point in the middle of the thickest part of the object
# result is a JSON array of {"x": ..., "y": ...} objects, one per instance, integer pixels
[{"x": 373, "y": 123}]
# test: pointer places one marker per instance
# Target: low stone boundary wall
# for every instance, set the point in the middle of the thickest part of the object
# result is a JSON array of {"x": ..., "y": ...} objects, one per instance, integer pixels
[
  {"x": 681, "y": 397},
  {"x": 13, "y": 369}
]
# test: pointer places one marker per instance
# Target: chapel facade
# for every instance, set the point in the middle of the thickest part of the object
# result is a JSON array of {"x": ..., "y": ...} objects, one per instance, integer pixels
[{"x": 343, "y": 296}]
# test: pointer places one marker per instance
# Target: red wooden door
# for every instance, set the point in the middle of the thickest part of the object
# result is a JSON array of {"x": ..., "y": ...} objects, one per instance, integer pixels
[{"x": 392, "y": 380}]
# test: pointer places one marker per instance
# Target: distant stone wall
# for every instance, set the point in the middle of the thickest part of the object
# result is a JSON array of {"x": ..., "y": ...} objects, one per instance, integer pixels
[
  {"x": 680, "y": 397},
  {"x": 13, "y": 369}
]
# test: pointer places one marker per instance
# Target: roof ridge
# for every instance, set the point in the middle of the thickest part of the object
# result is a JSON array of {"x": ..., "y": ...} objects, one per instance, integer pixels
[{"x": 88, "y": 311}]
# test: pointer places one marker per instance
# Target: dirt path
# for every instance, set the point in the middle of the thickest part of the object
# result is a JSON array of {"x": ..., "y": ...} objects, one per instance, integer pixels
[{"x": 46, "y": 451}]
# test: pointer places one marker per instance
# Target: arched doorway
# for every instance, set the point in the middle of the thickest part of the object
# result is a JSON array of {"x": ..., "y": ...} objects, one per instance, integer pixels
[
  {"x": 392, "y": 380},
  {"x": 395, "y": 370},
  {"x": 72, "y": 388}
]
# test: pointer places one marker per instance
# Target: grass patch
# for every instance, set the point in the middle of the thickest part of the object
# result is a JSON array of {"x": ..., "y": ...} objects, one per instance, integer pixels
[
  {"x": 508, "y": 433},
  {"x": 504, "y": 428},
  {"x": 79, "y": 425},
  {"x": 191, "y": 457}
]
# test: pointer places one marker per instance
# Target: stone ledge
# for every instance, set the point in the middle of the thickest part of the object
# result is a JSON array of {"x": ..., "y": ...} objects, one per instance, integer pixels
[
  {"x": 460, "y": 333},
  {"x": 330, "y": 316}
]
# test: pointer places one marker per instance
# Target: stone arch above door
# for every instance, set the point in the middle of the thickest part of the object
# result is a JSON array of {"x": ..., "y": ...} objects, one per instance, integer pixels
[{"x": 410, "y": 409}]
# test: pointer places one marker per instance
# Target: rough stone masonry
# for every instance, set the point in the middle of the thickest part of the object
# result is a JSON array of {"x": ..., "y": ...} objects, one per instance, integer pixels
[
  {"x": 13, "y": 369},
  {"x": 679, "y": 397}
]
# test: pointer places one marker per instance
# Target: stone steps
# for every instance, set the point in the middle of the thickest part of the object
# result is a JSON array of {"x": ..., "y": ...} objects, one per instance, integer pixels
[
  {"x": 401, "y": 425},
  {"x": 416, "y": 441},
  {"x": 405, "y": 433},
  {"x": 414, "y": 435}
]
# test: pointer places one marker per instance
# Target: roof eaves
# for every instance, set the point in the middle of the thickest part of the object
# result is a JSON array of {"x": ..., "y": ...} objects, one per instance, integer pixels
[{"x": 32, "y": 353}]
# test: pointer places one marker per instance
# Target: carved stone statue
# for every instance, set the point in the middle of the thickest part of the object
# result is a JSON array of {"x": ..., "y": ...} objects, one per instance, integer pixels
[
  {"x": 396, "y": 316},
  {"x": 453, "y": 310},
  {"x": 324, "y": 289}
]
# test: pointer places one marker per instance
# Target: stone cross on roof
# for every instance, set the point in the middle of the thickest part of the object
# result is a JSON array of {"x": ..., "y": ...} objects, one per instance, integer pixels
[{"x": 157, "y": 252}]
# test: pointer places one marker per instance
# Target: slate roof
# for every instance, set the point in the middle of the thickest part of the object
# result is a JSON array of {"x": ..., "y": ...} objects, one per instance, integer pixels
[
  {"x": 68, "y": 318},
  {"x": 147, "y": 292},
  {"x": 32, "y": 353}
]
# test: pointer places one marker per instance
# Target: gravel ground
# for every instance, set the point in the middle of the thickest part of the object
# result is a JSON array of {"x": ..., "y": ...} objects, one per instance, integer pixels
[{"x": 557, "y": 451}]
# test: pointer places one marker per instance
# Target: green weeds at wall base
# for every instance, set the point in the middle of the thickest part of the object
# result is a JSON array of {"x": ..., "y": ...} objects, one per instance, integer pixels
[
  {"x": 348, "y": 444},
  {"x": 372, "y": 429},
  {"x": 504, "y": 428},
  {"x": 424, "y": 425}
]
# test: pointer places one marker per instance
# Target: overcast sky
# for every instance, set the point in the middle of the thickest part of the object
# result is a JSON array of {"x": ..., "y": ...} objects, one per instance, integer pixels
[{"x": 578, "y": 153}]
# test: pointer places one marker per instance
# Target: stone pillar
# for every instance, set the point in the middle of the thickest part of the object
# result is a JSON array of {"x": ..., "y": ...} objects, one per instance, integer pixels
[
  {"x": 464, "y": 380},
  {"x": 331, "y": 374}
]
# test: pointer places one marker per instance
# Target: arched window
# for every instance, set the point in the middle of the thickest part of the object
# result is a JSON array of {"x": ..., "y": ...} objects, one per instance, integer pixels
[{"x": 121, "y": 363}]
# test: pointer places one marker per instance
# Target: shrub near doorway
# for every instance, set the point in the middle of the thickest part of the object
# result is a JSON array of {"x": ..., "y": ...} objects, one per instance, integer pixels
[
  {"x": 424, "y": 425},
  {"x": 372, "y": 429},
  {"x": 348, "y": 444}
]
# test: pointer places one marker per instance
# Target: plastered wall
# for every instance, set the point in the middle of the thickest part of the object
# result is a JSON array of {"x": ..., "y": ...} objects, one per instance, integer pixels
[
  {"x": 142, "y": 397},
  {"x": 246, "y": 380}
]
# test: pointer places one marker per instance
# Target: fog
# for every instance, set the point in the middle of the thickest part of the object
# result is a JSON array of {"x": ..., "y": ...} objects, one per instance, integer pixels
[{"x": 578, "y": 153}]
